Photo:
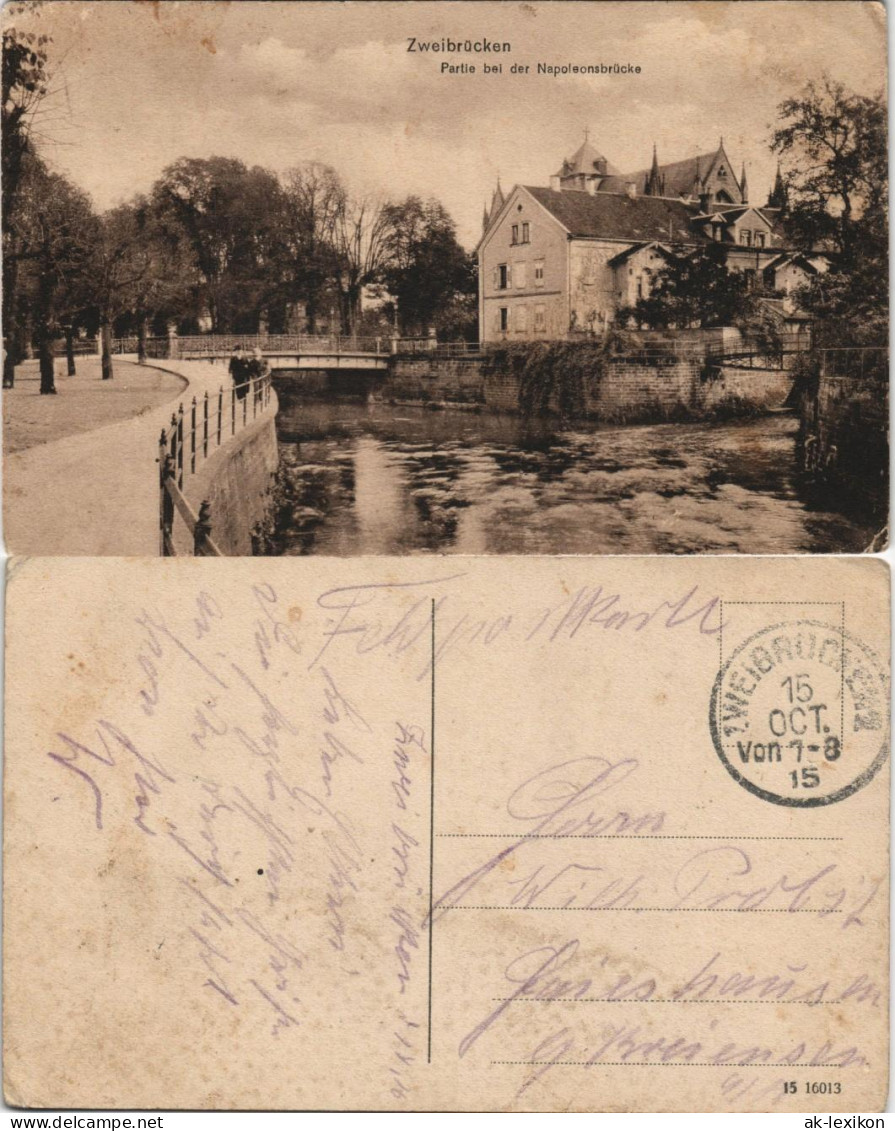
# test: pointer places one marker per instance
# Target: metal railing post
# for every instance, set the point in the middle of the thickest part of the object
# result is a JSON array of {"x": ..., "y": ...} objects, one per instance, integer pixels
[
  {"x": 220, "y": 411},
  {"x": 205, "y": 426},
  {"x": 174, "y": 438},
  {"x": 163, "y": 469},
  {"x": 245, "y": 409},
  {"x": 193, "y": 437},
  {"x": 202, "y": 529},
  {"x": 232, "y": 410},
  {"x": 180, "y": 445}
]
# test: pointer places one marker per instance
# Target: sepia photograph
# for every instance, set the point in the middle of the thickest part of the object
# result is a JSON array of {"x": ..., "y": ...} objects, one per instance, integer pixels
[
  {"x": 526, "y": 363},
  {"x": 432, "y": 278}
]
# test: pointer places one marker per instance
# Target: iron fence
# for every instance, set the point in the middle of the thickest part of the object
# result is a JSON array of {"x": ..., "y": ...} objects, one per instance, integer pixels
[
  {"x": 221, "y": 345},
  {"x": 429, "y": 347},
  {"x": 195, "y": 433},
  {"x": 858, "y": 364}
]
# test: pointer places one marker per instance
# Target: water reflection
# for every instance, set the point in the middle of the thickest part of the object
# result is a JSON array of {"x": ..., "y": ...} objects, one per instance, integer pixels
[{"x": 380, "y": 479}]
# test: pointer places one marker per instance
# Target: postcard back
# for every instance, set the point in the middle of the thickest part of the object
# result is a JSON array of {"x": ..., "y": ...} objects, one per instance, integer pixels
[{"x": 421, "y": 834}]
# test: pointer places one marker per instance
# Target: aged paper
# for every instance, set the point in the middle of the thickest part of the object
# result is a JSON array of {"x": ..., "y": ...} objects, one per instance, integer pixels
[
  {"x": 400, "y": 812},
  {"x": 459, "y": 834},
  {"x": 521, "y": 274}
]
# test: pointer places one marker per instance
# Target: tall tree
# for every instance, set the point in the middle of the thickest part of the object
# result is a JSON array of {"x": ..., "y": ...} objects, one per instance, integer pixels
[
  {"x": 834, "y": 144},
  {"x": 25, "y": 83},
  {"x": 361, "y": 233},
  {"x": 24, "y": 88},
  {"x": 313, "y": 201},
  {"x": 169, "y": 284},
  {"x": 56, "y": 233},
  {"x": 122, "y": 271},
  {"x": 229, "y": 213},
  {"x": 425, "y": 267}
]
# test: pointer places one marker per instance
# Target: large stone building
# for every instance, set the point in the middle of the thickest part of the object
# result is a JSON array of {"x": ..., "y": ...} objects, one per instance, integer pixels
[{"x": 563, "y": 259}]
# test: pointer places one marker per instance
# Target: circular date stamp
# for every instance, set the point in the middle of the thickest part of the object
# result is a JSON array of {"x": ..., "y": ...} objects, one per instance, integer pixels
[{"x": 799, "y": 714}]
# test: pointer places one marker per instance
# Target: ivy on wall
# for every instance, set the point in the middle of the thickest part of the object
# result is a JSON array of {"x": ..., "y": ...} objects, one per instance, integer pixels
[{"x": 555, "y": 375}]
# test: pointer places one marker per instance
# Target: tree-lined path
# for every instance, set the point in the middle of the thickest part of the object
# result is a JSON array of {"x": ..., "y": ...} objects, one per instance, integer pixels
[
  {"x": 95, "y": 490},
  {"x": 83, "y": 402}
]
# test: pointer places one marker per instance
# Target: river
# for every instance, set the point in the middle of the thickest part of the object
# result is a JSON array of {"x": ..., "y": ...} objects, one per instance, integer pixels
[{"x": 385, "y": 479}]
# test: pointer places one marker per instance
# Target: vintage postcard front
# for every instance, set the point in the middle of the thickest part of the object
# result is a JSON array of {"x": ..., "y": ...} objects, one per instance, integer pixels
[
  {"x": 447, "y": 834},
  {"x": 467, "y": 278}
]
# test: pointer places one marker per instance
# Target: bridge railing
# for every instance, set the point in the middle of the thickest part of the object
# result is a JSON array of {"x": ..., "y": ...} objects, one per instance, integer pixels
[
  {"x": 429, "y": 347},
  {"x": 222, "y": 345},
  {"x": 195, "y": 433}
]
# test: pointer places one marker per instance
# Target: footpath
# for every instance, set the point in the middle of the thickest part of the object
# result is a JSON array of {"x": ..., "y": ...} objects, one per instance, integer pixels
[{"x": 94, "y": 492}]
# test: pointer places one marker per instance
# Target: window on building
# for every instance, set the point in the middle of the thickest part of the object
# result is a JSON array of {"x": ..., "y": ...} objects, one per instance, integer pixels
[
  {"x": 515, "y": 238},
  {"x": 745, "y": 237},
  {"x": 539, "y": 273},
  {"x": 525, "y": 234},
  {"x": 722, "y": 172},
  {"x": 503, "y": 316},
  {"x": 540, "y": 325},
  {"x": 503, "y": 277},
  {"x": 520, "y": 273},
  {"x": 521, "y": 318},
  {"x": 760, "y": 239},
  {"x": 750, "y": 279}
]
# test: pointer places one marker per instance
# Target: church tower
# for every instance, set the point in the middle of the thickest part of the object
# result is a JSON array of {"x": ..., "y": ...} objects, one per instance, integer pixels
[
  {"x": 585, "y": 170},
  {"x": 655, "y": 182},
  {"x": 497, "y": 201},
  {"x": 778, "y": 196}
]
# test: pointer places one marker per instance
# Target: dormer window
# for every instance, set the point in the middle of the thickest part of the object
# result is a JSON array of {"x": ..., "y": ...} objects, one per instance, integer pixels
[
  {"x": 760, "y": 239},
  {"x": 746, "y": 237}
]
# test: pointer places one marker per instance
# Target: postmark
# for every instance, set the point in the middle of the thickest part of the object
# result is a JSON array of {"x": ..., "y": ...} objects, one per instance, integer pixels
[{"x": 800, "y": 714}]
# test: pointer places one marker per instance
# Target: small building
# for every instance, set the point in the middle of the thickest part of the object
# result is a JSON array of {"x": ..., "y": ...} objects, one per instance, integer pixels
[
  {"x": 787, "y": 272},
  {"x": 564, "y": 259}
]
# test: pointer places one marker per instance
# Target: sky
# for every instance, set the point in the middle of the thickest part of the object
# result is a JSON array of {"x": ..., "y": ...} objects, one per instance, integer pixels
[{"x": 139, "y": 83}]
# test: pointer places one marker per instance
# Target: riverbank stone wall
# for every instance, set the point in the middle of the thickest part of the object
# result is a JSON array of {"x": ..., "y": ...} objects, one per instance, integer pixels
[
  {"x": 236, "y": 481},
  {"x": 627, "y": 388}
]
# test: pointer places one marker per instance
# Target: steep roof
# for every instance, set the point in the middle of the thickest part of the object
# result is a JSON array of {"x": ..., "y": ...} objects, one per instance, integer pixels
[
  {"x": 618, "y": 216},
  {"x": 679, "y": 175},
  {"x": 615, "y": 182},
  {"x": 585, "y": 161},
  {"x": 624, "y": 256}
]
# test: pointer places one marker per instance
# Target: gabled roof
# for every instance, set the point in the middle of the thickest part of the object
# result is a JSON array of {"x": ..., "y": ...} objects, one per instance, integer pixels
[
  {"x": 797, "y": 259},
  {"x": 679, "y": 175},
  {"x": 729, "y": 215},
  {"x": 732, "y": 214},
  {"x": 688, "y": 177},
  {"x": 618, "y": 216},
  {"x": 624, "y": 256}
]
